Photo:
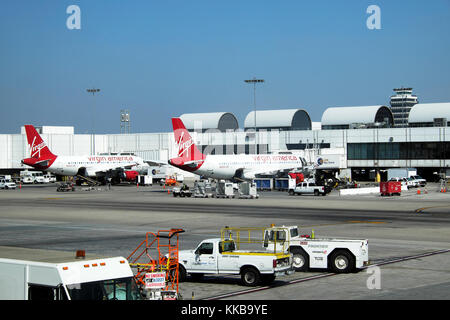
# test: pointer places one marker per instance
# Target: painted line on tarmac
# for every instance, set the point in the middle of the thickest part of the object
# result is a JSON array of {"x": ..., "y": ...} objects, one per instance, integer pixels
[
  {"x": 325, "y": 275},
  {"x": 420, "y": 210}
]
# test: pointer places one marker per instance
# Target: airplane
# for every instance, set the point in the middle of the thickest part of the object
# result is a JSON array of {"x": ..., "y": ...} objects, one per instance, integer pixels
[
  {"x": 237, "y": 168},
  {"x": 102, "y": 167}
]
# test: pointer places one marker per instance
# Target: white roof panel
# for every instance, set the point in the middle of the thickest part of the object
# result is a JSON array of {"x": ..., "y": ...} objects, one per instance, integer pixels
[
  {"x": 426, "y": 112},
  {"x": 271, "y": 118},
  {"x": 348, "y": 115}
]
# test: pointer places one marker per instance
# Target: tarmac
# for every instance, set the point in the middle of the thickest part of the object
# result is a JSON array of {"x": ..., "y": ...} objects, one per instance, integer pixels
[{"x": 113, "y": 222}]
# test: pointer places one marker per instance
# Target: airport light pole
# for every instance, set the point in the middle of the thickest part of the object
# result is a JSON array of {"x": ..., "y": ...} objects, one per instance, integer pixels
[
  {"x": 93, "y": 91},
  {"x": 254, "y": 81}
]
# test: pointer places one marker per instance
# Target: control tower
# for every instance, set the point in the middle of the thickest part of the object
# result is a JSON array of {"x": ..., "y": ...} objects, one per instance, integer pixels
[{"x": 401, "y": 104}]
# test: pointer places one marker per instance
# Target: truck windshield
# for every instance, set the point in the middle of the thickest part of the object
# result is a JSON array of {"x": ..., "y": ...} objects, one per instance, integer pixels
[{"x": 114, "y": 289}]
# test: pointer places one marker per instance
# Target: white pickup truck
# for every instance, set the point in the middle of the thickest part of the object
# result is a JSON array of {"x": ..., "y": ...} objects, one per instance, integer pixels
[
  {"x": 217, "y": 256},
  {"x": 309, "y": 188},
  {"x": 7, "y": 184},
  {"x": 338, "y": 255}
]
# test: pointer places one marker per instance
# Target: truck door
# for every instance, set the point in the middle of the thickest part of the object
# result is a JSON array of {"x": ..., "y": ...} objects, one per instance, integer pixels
[{"x": 205, "y": 260}]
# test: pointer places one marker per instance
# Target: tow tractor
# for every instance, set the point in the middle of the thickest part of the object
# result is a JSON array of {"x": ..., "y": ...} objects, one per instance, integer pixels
[
  {"x": 181, "y": 192},
  {"x": 337, "y": 255}
]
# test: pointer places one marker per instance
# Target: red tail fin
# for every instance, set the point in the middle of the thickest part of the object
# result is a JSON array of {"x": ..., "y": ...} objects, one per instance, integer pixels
[
  {"x": 187, "y": 150},
  {"x": 38, "y": 148}
]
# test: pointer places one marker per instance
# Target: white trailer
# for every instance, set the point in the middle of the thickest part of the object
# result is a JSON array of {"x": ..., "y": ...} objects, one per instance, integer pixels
[
  {"x": 401, "y": 172},
  {"x": 337, "y": 255},
  {"x": 33, "y": 274}
]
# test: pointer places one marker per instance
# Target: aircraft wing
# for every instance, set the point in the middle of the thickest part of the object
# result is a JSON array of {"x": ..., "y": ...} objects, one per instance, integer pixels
[{"x": 155, "y": 163}]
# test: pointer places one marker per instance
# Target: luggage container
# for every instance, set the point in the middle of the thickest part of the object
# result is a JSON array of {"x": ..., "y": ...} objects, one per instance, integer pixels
[
  {"x": 224, "y": 190},
  {"x": 390, "y": 188},
  {"x": 247, "y": 190},
  {"x": 264, "y": 184},
  {"x": 282, "y": 184}
]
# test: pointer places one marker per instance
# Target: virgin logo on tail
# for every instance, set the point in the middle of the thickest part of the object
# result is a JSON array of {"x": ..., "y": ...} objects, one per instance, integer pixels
[
  {"x": 184, "y": 146},
  {"x": 36, "y": 149},
  {"x": 187, "y": 150}
]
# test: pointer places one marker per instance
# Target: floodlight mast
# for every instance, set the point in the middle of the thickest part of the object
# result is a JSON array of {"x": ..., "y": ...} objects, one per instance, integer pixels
[
  {"x": 93, "y": 91},
  {"x": 254, "y": 81}
]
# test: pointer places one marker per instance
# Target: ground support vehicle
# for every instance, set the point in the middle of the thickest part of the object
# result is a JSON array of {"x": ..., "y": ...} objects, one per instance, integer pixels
[
  {"x": 181, "y": 192},
  {"x": 337, "y": 255},
  {"x": 224, "y": 256},
  {"x": 419, "y": 180},
  {"x": 144, "y": 180},
  {"x": 309, "y": 188},
  {"x": 202, "y": 189},
  {"x": 34, "y": 274},
  {"x": 390, "y": 188},
  {"x": 7, "y": 184},
  {"x": 156, "y": 263},
  {"x": 66, "y": 186},
  {"x": 247, "y": 190},
  {"x": 224, "y": 190}
]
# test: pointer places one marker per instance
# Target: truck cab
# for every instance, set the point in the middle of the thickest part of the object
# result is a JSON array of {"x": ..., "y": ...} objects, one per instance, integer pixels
[{"x": 34, "y": 274}]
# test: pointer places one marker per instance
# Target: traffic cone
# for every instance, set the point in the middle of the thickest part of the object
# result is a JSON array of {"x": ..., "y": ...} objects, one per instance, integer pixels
[{"x": 418, "y": 191}]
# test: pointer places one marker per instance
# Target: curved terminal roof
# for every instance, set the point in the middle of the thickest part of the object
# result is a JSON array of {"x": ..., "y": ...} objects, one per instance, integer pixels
[
  {"x": 287, "y": 119},
  {"x": 214, "y": 120},
  {"x": 347, "y": 115},
  {"x": 427, "y": 112}
]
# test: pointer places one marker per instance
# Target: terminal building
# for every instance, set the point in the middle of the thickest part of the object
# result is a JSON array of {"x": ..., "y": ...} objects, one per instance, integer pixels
[{"x": 356, "y": 141}]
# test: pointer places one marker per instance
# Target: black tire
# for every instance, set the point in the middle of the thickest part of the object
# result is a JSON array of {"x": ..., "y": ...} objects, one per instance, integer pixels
[
  {"x": 316, "y": 192},
  {"x": 300, "y": 260},
  {"x": 291, "y": 192},
  {"x": 250, "y": 277},
  {"x": 196, "y": 276},
  {"x": 341, "y": 261},
  {"x": 181, "y": 273}
]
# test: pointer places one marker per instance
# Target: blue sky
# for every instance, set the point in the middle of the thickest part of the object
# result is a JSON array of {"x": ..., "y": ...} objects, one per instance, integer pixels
[{"x": 160, "y": 59}]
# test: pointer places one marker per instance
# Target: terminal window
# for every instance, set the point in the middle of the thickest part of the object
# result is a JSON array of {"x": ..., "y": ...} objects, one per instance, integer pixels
[{"x": 398, "y": 150}]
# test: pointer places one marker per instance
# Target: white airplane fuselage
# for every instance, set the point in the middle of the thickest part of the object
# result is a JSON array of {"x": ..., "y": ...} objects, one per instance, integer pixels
[
  {"x": 226, "y": 166},
  {"x": 70, "y": 165}
]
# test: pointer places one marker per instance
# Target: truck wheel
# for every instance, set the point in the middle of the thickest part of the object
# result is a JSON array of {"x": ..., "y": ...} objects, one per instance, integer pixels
[
  {"x": 316, "y": 192},
  {"x": 342, "y": 261},
  {"x": 291, "y": 192},
  {"x": 300, "y": 259},
  {"x": 181, "y": 273},
  {"x": 196, "y": 276},
  {"x": 250, "y": 277}
]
